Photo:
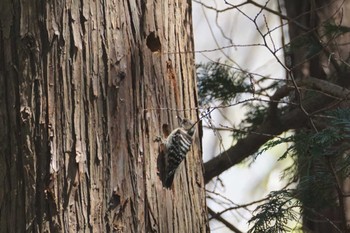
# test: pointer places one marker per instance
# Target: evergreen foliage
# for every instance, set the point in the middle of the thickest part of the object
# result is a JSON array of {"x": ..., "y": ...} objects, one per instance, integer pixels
[
  {"x": 320, "y": 157},
  {"x": 218, "y": 82},
  {"x": 274, "y": 215}
]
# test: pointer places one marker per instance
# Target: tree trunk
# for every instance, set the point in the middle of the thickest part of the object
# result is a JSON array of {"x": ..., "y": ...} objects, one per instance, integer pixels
[{"x": 86, "y": 87}]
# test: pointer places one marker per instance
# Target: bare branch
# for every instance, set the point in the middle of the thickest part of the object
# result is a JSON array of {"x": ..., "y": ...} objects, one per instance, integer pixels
[
  {"x": 273, "y": 125},
  {"x": 239, "y": 207},
  {"x": 224, "y": 221},
  {"x": 326, "y": 87}
]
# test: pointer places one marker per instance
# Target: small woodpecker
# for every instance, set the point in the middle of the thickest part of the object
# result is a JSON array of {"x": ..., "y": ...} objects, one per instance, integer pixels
[{"x": 177, "y": 145}]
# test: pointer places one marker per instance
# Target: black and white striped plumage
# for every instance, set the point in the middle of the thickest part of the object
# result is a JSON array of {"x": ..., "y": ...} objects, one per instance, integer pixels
[{"x": 177, "y": 145}]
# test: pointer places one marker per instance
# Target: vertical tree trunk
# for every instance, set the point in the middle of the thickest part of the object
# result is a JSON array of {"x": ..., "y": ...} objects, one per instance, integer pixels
[{"x": 85, "y": 88}]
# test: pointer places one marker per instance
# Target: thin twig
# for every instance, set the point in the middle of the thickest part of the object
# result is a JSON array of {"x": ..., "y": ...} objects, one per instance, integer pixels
[
  {"x": 239, "y": 207},
  {"x": 225, "y": 222}
]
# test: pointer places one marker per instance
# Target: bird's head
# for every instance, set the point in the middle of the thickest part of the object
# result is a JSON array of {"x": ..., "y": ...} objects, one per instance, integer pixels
[{"x": 187, "y": 125}]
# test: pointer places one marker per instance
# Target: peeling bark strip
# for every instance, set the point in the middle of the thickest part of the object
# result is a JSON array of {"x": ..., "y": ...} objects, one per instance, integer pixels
[{"x": 79, "y": 82}]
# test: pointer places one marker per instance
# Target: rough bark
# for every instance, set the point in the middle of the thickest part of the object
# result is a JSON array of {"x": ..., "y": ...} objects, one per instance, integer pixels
[{"x": 86, "y": 86}]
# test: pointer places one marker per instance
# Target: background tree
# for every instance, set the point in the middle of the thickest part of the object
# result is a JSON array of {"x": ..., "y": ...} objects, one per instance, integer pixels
[
  {"x": 85, "y": 89},
  {"x": 312, "y": 101}
]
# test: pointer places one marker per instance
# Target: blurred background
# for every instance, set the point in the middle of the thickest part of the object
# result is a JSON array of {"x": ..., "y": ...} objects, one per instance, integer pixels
[{"x": 230, "y": 37}]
